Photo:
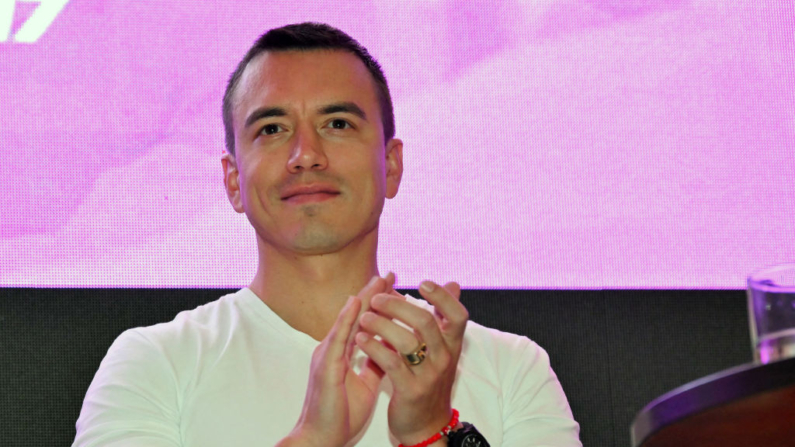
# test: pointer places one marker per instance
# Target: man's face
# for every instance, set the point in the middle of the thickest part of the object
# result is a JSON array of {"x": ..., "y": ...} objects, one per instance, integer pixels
[{"x": 311, "y": 169}]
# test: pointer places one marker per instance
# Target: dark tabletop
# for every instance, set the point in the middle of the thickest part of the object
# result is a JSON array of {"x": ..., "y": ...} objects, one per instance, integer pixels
[{"x": 743, "y": 406}]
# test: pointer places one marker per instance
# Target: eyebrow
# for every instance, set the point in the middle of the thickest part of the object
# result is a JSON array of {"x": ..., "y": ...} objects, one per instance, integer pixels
[
  {"x": 345, "y": 107},
  {"x": 264, "y": 112}
]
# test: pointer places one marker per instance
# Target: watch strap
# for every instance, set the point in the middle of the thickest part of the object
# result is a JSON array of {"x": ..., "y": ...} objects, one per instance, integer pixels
[{"x": 466, "y": 436}]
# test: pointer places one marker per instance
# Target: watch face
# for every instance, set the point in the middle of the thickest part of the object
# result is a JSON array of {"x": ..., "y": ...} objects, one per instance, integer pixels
[
  {"x": 473, "y": 440},
  {"x": 468, "y": 436}
]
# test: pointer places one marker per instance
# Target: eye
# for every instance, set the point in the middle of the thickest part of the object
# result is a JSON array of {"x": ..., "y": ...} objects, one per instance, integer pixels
[
  {"x": 270, "y": 129},
  {"x": 340, "y": 124}
]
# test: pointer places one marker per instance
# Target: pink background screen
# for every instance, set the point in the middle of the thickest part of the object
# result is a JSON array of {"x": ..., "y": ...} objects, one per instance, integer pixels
[{"x": 548, "y": 144}]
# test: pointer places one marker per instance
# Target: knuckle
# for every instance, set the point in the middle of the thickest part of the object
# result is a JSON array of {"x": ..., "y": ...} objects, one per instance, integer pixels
[
  {"x": 392, "y": 362},
  {"x": 425, "y": 320},
  {"x": 382, "y": 301},
  {"x": 460, "y": 317}
]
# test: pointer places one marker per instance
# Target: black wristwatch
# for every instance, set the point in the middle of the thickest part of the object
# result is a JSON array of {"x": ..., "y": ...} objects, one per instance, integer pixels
[{"x": 467, "y": 436}]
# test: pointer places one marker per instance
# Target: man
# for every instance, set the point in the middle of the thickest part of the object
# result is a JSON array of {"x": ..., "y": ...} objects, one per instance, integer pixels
[{"x": 319, "y": 349}]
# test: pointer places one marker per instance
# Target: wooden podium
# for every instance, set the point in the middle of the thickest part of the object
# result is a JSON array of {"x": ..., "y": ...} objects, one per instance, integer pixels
[{"x": 749, "y": 405}]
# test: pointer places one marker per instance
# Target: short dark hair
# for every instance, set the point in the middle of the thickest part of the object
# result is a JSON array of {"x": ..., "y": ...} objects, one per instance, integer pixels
[{"x": 306, "y": 37}]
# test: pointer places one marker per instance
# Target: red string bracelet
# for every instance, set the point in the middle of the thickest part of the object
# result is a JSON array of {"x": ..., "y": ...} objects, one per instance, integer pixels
[{"x": 437, "y": 436}]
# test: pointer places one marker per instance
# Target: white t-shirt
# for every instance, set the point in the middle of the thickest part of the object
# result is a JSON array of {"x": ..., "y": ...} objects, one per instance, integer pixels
[{"x": 232, "y": 373}]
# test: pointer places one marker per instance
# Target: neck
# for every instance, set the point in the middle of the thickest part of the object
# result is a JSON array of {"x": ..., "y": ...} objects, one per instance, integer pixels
[{"x": 308, "y": 290}]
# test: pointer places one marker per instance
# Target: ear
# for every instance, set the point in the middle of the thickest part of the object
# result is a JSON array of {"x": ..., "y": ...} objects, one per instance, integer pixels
[
  {"x": 394, "y": 166},
  {"x": 232, "y": 181}
]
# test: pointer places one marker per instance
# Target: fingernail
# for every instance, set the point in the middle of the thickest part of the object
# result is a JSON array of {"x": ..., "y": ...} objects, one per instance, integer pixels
[
  {"x": 427, "y": 286},
  {"x": 362, "y": 338},
  {"x": 367, "y": 317},
  {"x": 372, "y": 281}
]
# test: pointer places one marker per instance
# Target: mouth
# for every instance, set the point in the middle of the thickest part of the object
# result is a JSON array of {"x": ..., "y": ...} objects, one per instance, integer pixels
[
  {"x": 309, "y": 194},
  {"x": 300, "y": 199}
]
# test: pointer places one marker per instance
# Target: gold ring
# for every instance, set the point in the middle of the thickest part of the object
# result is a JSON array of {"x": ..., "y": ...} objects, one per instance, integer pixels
[{"x": 418, "y": 356}]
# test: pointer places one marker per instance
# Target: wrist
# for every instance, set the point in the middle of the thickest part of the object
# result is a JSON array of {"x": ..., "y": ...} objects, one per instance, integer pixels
[
  {"x": 467, "y": 435},
  {"x": 437, "y": 439},
  {"x": 444, "y": 441}
]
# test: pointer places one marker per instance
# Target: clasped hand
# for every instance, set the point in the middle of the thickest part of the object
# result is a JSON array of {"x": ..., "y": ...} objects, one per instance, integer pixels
[{"x": 339, "y": 401}]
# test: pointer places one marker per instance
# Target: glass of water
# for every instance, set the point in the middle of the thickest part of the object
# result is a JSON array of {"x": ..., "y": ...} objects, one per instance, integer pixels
[{"x": 771, "y": 311}]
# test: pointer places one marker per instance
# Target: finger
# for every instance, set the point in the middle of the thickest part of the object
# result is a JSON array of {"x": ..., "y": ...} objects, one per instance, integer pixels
[
  {"x": 390, "y": 362},
  {"x": 390, "y": 280},
  {"x": 396, "y": 294},
  {"x": 419, "y": 319},
  {"x": 376, "y": 285},
  {"x": 349, "y": 344},
  {"x": 399, "y": 337},
  {"x": 454, "y": 289},
  {"x": 445, "y": 301},
  {"x": 371, "y": 374},
  {"x": 342, "y": 329}
]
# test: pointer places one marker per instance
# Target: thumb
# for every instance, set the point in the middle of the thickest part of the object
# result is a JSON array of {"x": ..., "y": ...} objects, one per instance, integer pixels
[{"x": 454, "y": 289}]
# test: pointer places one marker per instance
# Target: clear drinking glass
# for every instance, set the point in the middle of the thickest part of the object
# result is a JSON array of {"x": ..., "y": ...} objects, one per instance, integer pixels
[{"x": 771, "y": 311}]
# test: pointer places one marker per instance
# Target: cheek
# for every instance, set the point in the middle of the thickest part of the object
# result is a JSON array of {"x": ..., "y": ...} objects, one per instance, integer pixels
[
  {"x": 373, "y": 179},
  {"x": 255, "y": 183},
  {"x": 377, "y": 168}
]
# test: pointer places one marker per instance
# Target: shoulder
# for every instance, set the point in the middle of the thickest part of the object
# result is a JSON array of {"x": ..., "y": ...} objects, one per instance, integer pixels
[
  {"x": 178, "y": 342},
  {"x": 204, "y": 320},
  {"x": 140, "y": 386},
  {"x": 505, "y": 360},
  {"x": 167, "y": 353}
]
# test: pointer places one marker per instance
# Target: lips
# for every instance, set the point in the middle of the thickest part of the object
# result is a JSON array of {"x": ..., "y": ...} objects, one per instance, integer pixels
[{"x": 309, "y": 193}]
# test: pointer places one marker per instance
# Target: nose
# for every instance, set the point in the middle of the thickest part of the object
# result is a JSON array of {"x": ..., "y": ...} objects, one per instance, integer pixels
[{"x": 307, "y": 152}]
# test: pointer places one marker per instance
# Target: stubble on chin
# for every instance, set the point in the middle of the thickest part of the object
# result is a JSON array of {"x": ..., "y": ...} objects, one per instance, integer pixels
[
  {"x": 316, "y": 241},
  {"x": 315, "y": 236}
]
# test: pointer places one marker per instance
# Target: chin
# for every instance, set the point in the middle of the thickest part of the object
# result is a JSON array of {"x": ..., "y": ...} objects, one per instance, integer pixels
[{"x": 317, "y": 242}]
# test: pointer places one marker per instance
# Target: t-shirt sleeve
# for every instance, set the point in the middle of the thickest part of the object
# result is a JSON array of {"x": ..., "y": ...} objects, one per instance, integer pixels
[
  {"x": 133, "y": 399},
  {"x": 536, "y": 410}
]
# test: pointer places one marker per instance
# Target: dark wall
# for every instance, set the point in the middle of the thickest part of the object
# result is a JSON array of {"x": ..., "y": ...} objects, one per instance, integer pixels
[{"x": 614, "y": 351}]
